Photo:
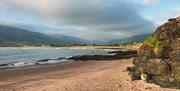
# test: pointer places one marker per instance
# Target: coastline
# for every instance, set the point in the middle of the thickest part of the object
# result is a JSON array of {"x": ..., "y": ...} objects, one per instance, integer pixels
[
  {"x": 76, "y": 76},
  {"x": 111, "y": 54},
  {"x": 88, "y": 46}
]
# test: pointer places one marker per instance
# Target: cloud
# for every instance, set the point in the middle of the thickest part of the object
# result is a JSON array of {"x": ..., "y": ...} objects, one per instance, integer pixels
[
  {"x": 164, "y": 16},
  {"x": 145, "y": 2},
  {"x": 150, "y": 2},
  {"x": 92, "y": 17}
]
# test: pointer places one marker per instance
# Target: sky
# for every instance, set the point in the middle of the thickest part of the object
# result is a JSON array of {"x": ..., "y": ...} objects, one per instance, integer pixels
[{"x": 89, "y": 19}]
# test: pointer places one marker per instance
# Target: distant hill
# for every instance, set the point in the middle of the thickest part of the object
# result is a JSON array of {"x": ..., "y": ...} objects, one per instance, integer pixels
[
  {"x": 12, "y": 35},
  {"x": 73, "y": 40},
  {"x": 17, "y": 36},
  {"x": 136, "y": 38}
]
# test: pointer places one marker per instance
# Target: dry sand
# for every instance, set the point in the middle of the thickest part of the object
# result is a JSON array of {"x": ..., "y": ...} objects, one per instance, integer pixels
[{"x": 76, "y": 76}]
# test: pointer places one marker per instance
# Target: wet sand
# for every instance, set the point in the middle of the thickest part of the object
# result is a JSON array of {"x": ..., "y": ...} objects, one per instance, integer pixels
[{"x": 77, "y": 76}]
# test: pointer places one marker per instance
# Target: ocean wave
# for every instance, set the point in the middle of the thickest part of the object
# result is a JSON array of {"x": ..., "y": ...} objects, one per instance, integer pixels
[
  {"x": 27, "y": 64},
  {"x": 80, "y": 48}
]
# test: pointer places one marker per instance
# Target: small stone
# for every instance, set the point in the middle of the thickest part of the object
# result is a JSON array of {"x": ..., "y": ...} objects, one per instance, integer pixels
[{"x": 144, "y": 76}]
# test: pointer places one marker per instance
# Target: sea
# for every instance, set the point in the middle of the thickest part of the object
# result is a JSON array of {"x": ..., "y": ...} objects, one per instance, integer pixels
[{"x": 16, "y": 57}]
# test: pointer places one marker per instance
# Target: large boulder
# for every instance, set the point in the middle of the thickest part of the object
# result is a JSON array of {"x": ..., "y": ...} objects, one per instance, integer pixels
[
  {"x": 175, "y": 44},
  {"x": 160, "y": 63},
  {"x": 147, "y": 51},
  {"x": 175, "y": 56},
  {"x": 139, "y": 59},
  {"x": 157, "y": 67},
  {"x": 163, "y": 51}
]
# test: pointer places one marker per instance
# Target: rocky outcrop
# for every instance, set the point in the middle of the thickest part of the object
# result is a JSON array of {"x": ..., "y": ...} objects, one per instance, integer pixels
[
  {"x": 117, "y": 55},
  {"x": 158, "y": 58}
]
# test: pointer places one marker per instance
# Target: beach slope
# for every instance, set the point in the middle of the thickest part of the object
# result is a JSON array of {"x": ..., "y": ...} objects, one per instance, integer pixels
[{"x": 76, "y": 76}]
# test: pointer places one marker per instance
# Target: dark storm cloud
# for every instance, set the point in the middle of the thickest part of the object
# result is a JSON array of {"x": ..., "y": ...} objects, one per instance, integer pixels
[
  {"x": 110, "y": 15},
  {"x": 121, "y": 16}
]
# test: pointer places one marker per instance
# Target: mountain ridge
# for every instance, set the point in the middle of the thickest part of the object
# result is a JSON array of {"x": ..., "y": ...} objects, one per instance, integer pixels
[
  {"x": 14, "y": 35},
  {"x": 135, "y": 38},
  {"x": 17, "y": 36}
]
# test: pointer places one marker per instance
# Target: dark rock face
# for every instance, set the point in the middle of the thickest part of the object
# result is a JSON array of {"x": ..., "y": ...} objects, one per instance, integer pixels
[
  {"x": 146, "y": 50},
  {"x": 161, "y": 67},
  {"x": 118, "y": 55},
  {"x": 164, "y": 51}
]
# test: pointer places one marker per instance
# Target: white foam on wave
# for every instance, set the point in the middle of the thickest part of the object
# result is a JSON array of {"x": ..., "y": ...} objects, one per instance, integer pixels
[
  {"x": 22, "y": 64},
  {"x": 54, "y": 61},
  {"x": 27, "y": 64},
  {"x": 80, "y": 48},
  {"x": 68, "y": 57},
  {"x": 109, "y": 50},
  {"x": 18, "y": 64},
  {"x": 125, "y": 50},
  {"x": 48, "y": 62}
]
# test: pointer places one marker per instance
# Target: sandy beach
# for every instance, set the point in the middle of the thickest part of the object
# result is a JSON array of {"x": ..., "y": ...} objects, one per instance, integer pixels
[{"x": 77, "y": 76}]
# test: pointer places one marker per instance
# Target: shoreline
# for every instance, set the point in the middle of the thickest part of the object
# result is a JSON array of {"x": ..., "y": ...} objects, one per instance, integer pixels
[
  {"x": 96, "y": 47},
  {"x": 111, "y": 55},
  {"x": 77, "y": 76}
]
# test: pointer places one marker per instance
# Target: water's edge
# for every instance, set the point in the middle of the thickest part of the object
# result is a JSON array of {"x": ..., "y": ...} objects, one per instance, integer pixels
[{"x": 111, "y": 54}]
